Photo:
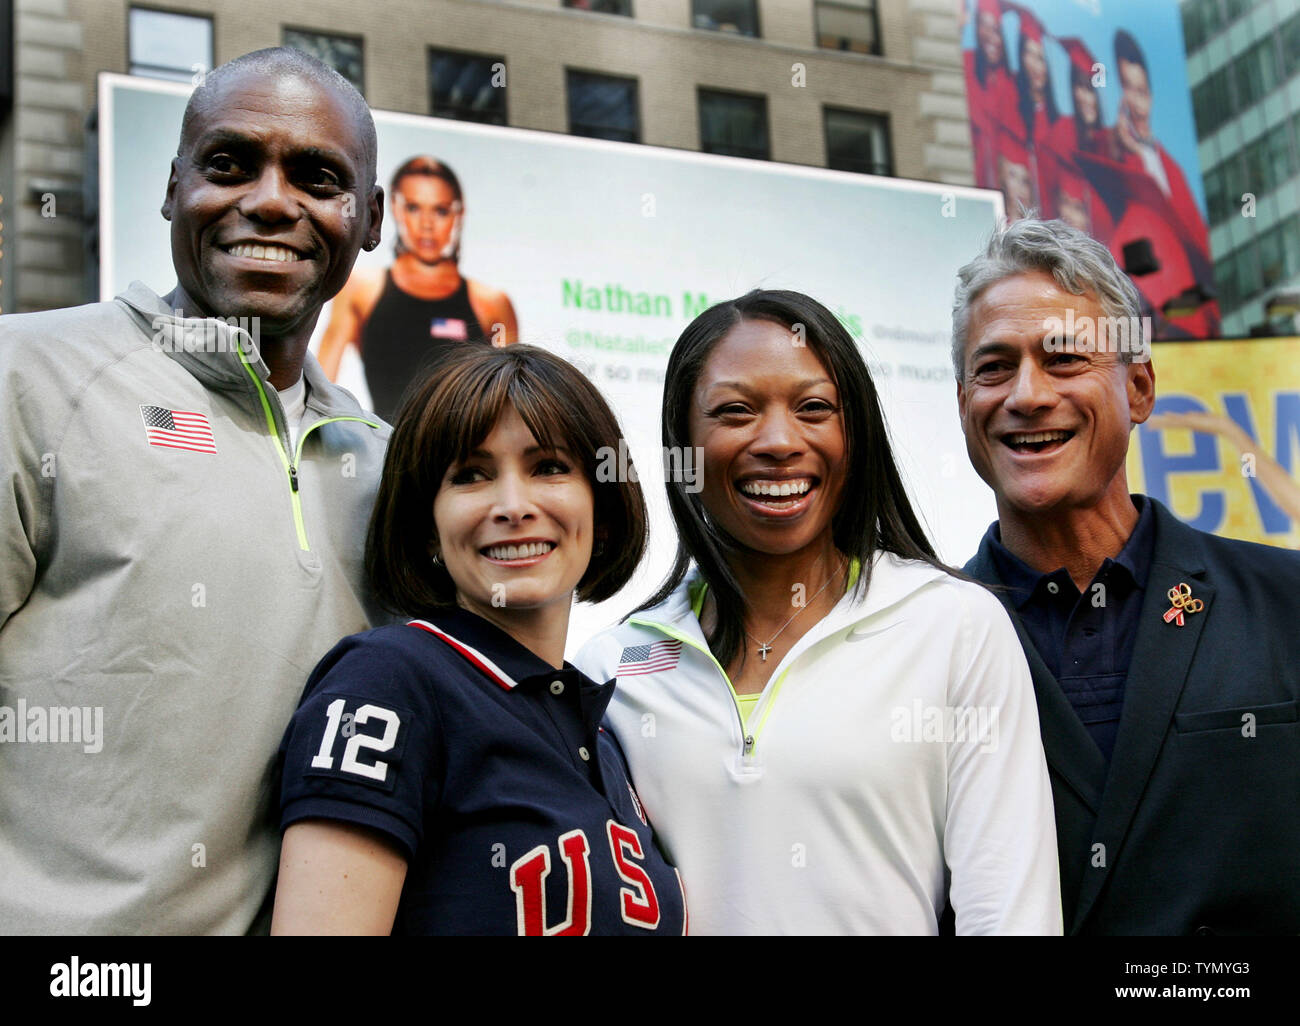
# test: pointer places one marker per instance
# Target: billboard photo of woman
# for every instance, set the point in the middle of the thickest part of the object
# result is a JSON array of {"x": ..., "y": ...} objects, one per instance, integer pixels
[{"x": 400, "y": 317}]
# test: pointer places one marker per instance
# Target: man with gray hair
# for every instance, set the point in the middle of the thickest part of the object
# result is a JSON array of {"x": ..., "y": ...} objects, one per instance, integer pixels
[
  {"x": 182, "y": 522},
  {"x": 1166, "y": 661}
]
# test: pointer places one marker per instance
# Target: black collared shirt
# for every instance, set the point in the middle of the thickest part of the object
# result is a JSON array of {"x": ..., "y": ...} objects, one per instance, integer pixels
[
  {"x": 1085, "y": 638},
  {"x": 490, "y": 770}
]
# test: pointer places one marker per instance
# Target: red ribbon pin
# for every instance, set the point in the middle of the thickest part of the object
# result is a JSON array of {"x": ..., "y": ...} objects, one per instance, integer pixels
[{"x": 1182, "y": 600}]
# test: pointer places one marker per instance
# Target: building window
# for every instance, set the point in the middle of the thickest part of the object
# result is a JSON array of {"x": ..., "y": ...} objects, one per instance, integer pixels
[
  {"x": 1256, "y": 73},
  {"x": 167, "y": 45},
  {"x": 1211, "y": 102},
  {"x": 1201, "y": 20},
  {"x": 1218, "y": 200},
  {"x": 623, "y": 7},
  {"x": 1279, "y": 158},
  {"x": 1272, "y": 258},
  {"x": 851, "y": 25},
  {"x": 345, "y": 54},
  {"x": 468, "y": 87},
  {"x": 1289, "y": 33},
  {"x": 734, "y": 124},
  {"x": 603, "y": 107},
  {"x": 858, "y": 141},
  {"x": 1193, "y": 26},
  {"x": 739, "y": 16},
  {"x": 1249, "y": 276}
]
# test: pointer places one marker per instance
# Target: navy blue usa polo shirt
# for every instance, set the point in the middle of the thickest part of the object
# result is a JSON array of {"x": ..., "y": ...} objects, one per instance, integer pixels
[{"x": 489, "y": 770}]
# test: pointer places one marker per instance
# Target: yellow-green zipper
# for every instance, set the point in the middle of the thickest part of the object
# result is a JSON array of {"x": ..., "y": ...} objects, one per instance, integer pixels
[
  {"x": 291, "y": 466},
  {"x": 750, "y": 739},
  {"x": 697, "y": 603}
]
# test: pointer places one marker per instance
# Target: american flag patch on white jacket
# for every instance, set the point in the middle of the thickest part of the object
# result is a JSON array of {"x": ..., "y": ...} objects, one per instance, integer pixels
[{"x": 661, "y": 655}]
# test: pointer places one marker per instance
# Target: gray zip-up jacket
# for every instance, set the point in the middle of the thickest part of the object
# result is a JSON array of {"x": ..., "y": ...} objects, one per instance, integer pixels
[{"x": 161, "y": 608}]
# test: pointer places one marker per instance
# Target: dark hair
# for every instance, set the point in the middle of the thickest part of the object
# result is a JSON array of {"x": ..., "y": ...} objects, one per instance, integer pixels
[
  {"x": 1022, "y": 88},
  {"x": 430, "y": 167},
  {"x": 1127, "y": 49},
  {"x": 1079, "y": 77},
  {"x": 284, "y": 61},
  {"x": 875, "y": 513},
  {"x": 445, "y": 418},
  {"x": 982, "y": 62}
]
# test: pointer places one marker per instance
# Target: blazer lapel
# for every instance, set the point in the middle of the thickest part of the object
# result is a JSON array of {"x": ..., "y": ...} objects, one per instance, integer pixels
[
  {"x": 1162, "y": 657},
  {"x": 1070, "y": 749}
]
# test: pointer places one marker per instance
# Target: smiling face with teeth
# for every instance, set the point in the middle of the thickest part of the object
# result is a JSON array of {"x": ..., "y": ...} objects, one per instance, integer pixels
[
  {"x": 515, "y": 521},
  {"x": 766, "y": 415},
  {"x": 1048, "y": 430},
  {"x": 269, "y": 203}
]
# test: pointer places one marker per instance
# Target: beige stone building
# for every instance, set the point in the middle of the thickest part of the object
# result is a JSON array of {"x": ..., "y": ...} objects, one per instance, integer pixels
[{"x": 865, "y": 85}]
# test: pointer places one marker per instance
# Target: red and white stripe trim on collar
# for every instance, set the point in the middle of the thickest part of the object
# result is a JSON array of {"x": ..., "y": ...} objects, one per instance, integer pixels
[{"x": 469, "y": 652}]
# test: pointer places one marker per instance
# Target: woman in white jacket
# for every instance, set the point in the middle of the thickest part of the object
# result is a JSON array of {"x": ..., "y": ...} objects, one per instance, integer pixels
[{"x": 831, "y": 732}]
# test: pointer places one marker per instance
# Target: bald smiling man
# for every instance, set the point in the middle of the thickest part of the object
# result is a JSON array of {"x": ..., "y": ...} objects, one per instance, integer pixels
[{"x": 182, "y": 519}]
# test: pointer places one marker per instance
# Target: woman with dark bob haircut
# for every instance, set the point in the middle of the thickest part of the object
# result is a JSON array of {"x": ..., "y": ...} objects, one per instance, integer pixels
[
  {"x": 833, "y": 731},
  {"x": 449, "y": 775}
]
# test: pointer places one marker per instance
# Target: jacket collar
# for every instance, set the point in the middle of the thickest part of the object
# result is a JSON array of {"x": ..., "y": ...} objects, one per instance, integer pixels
[
  {"x": 1162, "y": 658},
  {"x": 215, "y": 353},
  {"x": 893, "y": 579},
  {"x": 1133, "y": 560},
  {"x": 507, "y": 662}
]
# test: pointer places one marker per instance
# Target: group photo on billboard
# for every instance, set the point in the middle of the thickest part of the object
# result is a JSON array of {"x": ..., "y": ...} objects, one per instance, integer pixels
[{"x": 1082, "y": 112}]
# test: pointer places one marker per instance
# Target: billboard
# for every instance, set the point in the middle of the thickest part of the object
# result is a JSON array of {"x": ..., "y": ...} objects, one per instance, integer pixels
[
  {"x": 1080, "y": 109},
  {"x": 603, "y": 252},
  {"x": 1222, "y": 447}
]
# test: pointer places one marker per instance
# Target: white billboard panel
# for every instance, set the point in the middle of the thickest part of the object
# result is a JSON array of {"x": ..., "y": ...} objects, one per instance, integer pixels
[{"x": 607, "y": 250}]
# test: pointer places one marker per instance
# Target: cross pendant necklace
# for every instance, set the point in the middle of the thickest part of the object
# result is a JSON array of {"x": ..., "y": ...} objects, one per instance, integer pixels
[{"x": 764, "y": 647}]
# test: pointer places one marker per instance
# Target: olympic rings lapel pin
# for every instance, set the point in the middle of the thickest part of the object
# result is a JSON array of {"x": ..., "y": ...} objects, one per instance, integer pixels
[{"x": 1182, "y": 600}]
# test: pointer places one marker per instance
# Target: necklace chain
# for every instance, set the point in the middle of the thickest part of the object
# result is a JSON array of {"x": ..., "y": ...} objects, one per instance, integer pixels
[{"x": 764, "y": 647}]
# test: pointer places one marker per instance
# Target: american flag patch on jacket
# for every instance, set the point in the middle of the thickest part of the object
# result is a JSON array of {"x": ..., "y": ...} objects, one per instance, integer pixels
[
  {"x": 176, "y": 429},
  {"x": 661, "y": 655}
]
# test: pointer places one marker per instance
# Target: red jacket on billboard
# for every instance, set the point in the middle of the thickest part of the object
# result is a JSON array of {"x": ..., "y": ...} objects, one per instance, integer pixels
[
  {"x": 1036, "y": 103},
  {"x": 992, "y": 98},
  {"x": 1117, "y": 183},
  {"x": 1185, "y": 211},
  {"x": 992, "y": 103}
]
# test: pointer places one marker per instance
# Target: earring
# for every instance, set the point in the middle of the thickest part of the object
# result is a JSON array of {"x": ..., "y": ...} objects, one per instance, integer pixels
[{"x": 437, "y": 559}]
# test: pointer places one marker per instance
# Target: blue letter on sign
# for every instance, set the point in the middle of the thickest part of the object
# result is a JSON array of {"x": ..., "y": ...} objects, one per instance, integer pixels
[
  {"x": 1275, "y": 521},
  {"x": 1157, "y": 465}
]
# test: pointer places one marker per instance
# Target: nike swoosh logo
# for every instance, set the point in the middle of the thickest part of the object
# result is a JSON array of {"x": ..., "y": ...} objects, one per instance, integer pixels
[{"x": 857, "y": 635}]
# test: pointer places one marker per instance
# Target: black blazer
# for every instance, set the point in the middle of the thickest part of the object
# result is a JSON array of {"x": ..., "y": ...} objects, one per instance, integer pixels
[{"x": 1196, "y": 829}]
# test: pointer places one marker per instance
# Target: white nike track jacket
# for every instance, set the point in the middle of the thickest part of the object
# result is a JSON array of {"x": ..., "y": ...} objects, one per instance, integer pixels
[{"x": 893, "y": 757}]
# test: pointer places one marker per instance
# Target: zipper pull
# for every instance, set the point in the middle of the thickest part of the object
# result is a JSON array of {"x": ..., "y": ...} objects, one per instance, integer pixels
[
  {"x": 749, "y": 744},
  {"x": 293, "y": 477}
]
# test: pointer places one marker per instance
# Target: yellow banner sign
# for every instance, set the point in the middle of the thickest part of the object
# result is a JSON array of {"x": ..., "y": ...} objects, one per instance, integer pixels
[{"x": 1221, "y": 448}]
